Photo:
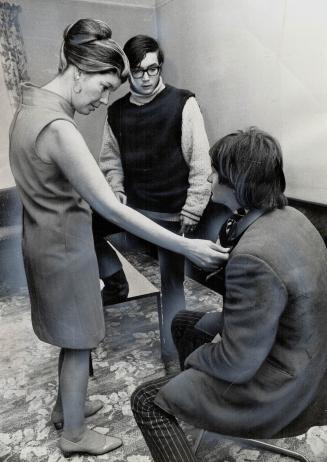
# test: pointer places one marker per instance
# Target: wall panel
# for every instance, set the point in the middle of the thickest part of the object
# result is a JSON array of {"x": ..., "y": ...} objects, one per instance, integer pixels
[{"x": 257, "y": 62}]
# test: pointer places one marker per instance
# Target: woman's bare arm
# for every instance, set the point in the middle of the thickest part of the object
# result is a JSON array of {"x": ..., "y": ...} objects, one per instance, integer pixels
[{"x": 62, "y": 143}]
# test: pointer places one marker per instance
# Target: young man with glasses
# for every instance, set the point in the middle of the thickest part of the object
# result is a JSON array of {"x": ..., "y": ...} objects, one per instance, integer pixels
[{"x": 155, "y": 157}]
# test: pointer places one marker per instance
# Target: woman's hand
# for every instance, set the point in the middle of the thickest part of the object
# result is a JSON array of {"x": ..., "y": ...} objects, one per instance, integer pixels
[{"x": 206, "y": 254}]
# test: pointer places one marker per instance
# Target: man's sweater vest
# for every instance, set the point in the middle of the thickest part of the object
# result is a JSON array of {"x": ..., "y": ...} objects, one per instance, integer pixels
[{"x": 149, "y": 138}]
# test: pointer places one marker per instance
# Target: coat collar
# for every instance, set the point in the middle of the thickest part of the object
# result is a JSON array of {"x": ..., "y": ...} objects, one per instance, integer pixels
[{"x": 248, "y": 220}]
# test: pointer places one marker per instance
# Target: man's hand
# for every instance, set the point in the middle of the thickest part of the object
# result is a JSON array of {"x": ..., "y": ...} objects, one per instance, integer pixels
[
  {"x": 121, "y": 197},
  {"x": 188, "y": 225}
]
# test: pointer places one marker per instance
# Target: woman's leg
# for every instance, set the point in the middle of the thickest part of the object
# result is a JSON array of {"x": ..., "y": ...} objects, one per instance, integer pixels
[
  {"x": 57, "y": 417},
  {"x": 76, "y": 438},
  {"x": 57, "y": 409},
  {"x": 164, "y": 437},
  {"x": 73, "y": 387}
]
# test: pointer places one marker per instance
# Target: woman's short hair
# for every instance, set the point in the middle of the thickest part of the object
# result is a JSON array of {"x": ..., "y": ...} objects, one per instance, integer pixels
[
  {"x": 137, "y": 47},
  {"x": 88, "y": 45},
  {"x": 251, "y": 163}
]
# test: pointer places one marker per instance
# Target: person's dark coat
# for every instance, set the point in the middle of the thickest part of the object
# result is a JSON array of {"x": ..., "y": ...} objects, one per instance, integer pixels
[{"x": 271, "y": 360}]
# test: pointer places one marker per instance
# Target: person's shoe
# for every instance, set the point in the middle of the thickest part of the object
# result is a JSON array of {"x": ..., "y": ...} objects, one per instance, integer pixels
[
  {"x": 115, "y": 289},
  {"x": 92, "y": 442},
  {"x": 172, "y": 366},
  {"x": 91, "y": 408}
]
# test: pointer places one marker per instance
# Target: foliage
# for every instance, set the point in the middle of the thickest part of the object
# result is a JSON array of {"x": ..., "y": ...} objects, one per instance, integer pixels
[{"x": 12, "y": 53}]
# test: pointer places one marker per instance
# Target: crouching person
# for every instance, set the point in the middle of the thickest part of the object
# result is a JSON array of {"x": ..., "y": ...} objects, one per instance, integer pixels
[{"x": 260, "y": 366}]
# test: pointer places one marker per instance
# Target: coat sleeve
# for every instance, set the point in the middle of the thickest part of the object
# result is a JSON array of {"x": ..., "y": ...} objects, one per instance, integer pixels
[
  {"x": 110, "y": 160},
  {"x": 254, "y": 301}
]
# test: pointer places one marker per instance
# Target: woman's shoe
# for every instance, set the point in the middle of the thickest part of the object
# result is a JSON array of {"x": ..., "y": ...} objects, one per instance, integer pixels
[
  {"x": 91, "y": 408},
  {"x": 92, "y": 442}
]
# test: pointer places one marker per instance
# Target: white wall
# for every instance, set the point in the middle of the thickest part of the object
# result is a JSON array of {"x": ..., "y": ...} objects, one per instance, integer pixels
[{"x": 256, "y": 62}]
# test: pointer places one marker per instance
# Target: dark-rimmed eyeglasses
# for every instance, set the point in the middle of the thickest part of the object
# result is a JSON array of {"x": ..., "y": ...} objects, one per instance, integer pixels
[{"x": 138, "y": 72}]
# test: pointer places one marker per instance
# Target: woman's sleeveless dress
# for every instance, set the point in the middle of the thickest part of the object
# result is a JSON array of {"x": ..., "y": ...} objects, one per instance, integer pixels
[{"x": 58, "y": 249}]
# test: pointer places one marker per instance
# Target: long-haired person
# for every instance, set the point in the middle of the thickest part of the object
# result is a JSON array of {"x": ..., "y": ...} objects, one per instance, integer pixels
[
  {"x": 58, "y": 180},
  {"x": 260, "y": 365}
]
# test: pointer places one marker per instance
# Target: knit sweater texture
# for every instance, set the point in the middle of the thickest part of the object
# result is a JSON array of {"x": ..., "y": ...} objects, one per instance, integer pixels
[{"x": 194, "y": 147}]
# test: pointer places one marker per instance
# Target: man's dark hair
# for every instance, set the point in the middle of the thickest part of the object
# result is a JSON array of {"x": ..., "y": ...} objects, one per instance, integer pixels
[
  {"x": 251, "y": 163},
  {"x": 137, "y": 47}
]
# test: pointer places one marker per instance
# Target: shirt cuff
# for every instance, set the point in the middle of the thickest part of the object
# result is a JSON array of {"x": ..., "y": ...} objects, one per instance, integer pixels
[{"x": 188, "y": 214}]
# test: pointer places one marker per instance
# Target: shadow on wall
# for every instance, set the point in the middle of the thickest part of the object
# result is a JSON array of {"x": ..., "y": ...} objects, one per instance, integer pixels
[
  {"x": 317, "y": 214},
  {"x": 12, "y": 276}
]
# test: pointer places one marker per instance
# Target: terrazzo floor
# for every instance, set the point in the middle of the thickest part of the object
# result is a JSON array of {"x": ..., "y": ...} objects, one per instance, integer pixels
[{"x": 129, "y": 355}]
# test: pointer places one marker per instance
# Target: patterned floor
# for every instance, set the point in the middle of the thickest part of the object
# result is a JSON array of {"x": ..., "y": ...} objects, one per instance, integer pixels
[{"x": 128, "y": 356}]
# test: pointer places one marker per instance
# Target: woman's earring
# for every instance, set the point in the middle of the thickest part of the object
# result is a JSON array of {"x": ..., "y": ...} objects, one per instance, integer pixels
[{"x": 77, "y": 86}]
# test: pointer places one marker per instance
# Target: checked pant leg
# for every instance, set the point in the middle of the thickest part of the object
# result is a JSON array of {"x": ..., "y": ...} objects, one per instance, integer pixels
[{"x": 164, "y": 437}]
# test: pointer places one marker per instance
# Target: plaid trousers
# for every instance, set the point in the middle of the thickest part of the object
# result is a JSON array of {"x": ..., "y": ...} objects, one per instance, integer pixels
[{"x": 161, "y": 431}]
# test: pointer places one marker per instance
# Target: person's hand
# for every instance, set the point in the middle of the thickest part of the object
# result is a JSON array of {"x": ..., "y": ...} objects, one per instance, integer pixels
[
  {"x": 188, "y": 225},
  {"x": 121, "y": 197},
  {"x": 206, "y": 254}
]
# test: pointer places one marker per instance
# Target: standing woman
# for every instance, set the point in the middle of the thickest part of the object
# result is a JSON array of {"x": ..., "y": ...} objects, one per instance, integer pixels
[{"x": 57, "y": 179}]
